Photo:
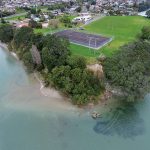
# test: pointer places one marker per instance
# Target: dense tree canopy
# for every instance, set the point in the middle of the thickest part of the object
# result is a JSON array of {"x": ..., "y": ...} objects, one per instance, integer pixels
[
  {"x": 23, "y": 37},
  {"x": 79, "y": 83},
  {"x": 66, "y": 21},
  {"x": 76, "y": 62},
  {"x": 129, "y": 70},
  {"x": 34, "y": 24},
  {"x": 145, "y": 33},
  {"x": 6, "y": 33},
  {"x": 148, "y": 13},
  {"x": 55, "y": 51},
  {"x": 51, "y": 56}
]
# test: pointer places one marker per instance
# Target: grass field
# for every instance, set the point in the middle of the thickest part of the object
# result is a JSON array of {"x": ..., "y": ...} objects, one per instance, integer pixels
[
  {"x": 43, "y": 30},
  {"x": 89, "y": 54},
  {"x": 123, "y": 28},
  {"x": 22, "y": 16},
  {"x": 77, "y": 49}
]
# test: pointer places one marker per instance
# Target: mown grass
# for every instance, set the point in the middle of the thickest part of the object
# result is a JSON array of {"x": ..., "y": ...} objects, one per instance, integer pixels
[
  {"x": 81, "y": 50},
  {"x": 124, "y": 29},
  {"x": 43, "y": 30},
  {"x": 16, "y": 17}
]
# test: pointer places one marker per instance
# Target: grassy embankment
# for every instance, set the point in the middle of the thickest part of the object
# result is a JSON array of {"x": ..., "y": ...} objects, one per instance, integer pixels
[{"x": 17, "y": 17}]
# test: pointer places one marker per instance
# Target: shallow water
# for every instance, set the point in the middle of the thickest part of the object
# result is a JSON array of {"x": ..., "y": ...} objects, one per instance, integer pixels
[{"x": 30, "y": 121}]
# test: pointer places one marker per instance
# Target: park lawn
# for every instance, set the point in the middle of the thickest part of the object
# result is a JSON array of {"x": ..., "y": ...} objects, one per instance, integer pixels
[
  {"x": 123, "y": 29},
  {"x": 85, "y": 51},
  {"x": 89, "y": 54},
  {"x": 16, "y": 17},
  {"x": 43, "y": 30},
  {"x": 47, "y": 30}
]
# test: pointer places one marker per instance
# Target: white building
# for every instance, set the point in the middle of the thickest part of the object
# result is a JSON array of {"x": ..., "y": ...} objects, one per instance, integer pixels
[{"x": 82, "y": 18}]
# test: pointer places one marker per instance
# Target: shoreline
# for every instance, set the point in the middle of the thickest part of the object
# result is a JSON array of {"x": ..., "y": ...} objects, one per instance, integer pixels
[
  {"x": 4, "y": 46},
  {"x": 46, "y": 91},
  {"x": 35, "y": 74},
  {"x": 52, "y": 99},
  {"x": 52, "y": 93}
]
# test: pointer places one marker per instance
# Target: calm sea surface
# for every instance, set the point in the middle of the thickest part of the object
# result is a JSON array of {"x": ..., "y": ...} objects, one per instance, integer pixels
[{"x": 30, "y": 121}]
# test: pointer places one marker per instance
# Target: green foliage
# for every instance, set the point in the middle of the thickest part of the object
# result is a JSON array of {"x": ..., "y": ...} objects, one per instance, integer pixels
[
  {"x": 38, "y": 41},
  {"x": 129, "y": 70},
  {"x": 66, "y": 21},
  {"x": 6, "y": 13},
  {"x": 79, "y": 83},
  {"x": 143, "y": 6},
  {"x": 33, "y": 11},
  {"x": 34, "y": 24},
  {"x": 79, "y": 9},
  {"x": 27, "y": 59},
  {"x": 60, "y": 6},
  {"x": 65, "y": 72},
  {"x": 3, "y": 21},
  {"x": 23, "y": 37},
  {"x": 54, "y": 23},
  {"x": 22, "y": 42},
  {"x": 148, "y": 13},
  {"x": 55, "y": 51},
  {"x": 145, "y": 33},
  {"x": 6, "y": 33},
  {"x": 77, "y": 62},
  {"x": 115, "y": 26}
]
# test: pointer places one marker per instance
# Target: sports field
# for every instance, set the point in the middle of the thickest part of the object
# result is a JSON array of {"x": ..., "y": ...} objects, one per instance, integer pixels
[{"x": 123, "y": 28}]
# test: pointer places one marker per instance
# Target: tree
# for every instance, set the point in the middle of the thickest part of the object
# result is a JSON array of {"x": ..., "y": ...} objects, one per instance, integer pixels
[
  {"x": 3, "y": 21},
  {"x": 34, "y": 24},
  {"x": 55, "y": 51},
  {"x": 51, "y": 15},
  {"x": 28, "y": 61},
  {"x": 145, "y": 33},
  {"x": 23, "y": 38},
  {"x": 148, "y": 14},
  {"x": 33, "y": 11},
  {"x": 78, "y": 9},
  {"x": 143, "y": 6},
  {"x": 80, "y": 84},
  {"x": 6, "y": 33},
  {"x": 66, "y": 20},
  {"x": 129, "y": 70},
  {"x": 80, "y": 2},
  {"x": 88, "y": 7},
  {"x": 77, "y": 62},
  {"x": 54, "y": 23},
  {"x": 37, "y": 40}
]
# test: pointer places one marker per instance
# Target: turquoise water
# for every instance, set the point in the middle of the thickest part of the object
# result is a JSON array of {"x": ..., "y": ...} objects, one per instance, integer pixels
[{"x": 30, "y": 121}]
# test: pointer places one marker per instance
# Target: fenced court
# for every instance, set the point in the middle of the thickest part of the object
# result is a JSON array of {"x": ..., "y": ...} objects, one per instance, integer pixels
[{"x": 85, "y": 39}]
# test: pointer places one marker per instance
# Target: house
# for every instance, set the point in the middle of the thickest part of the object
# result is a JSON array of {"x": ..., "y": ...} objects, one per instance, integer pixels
[
  {"x": 23, "y": 24},
  {"x": 143, "y": 13},
  {"x": 44, "y": 25},
  {"x": 82, "y": 19}
]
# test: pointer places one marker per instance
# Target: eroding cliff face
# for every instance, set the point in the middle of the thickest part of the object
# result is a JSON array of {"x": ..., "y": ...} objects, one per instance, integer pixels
[
  {"x": 97, "y": 69},
  {"x": 36, "y": 55}
]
